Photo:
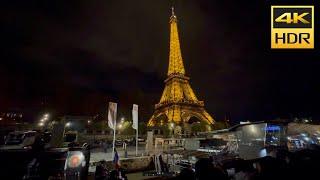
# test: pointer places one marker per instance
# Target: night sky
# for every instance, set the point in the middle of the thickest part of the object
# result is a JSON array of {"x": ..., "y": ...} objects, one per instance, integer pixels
[{"x": 72, "y": 57}]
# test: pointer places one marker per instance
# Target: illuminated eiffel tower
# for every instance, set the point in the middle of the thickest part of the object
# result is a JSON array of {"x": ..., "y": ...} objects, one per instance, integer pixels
[{"x": 178, "y": 103}]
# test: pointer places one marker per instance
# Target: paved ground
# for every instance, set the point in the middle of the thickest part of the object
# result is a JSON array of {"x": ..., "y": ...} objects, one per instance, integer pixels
[
  {"x": 131, "y": 176},
  {"x": 138, "y": 175},
  {"x": 99, "y": 154}
]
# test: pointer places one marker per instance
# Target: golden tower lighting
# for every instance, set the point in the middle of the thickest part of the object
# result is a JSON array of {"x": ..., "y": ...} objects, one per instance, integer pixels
[{"x": 178, "y": 103}]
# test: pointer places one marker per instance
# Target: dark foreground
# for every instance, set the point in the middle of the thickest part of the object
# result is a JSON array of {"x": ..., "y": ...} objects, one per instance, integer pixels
[
  {"x": 282, "y": 164},
  {"x": 303, "y": 164}
]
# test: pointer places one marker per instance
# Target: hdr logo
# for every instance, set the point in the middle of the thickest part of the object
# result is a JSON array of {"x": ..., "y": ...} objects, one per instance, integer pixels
[{"x": 292, "y": 27}]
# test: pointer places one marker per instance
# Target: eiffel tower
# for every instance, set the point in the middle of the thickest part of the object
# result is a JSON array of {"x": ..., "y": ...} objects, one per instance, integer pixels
[{"x": 178, "y": 103}]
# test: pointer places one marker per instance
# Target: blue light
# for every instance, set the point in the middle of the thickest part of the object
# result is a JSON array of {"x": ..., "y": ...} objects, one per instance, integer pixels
[
  {"x": 263, "y": 153},
  {"x": 272, "y": 128}
]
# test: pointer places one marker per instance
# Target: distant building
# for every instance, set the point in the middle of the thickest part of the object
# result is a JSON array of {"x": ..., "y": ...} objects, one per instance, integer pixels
[{"x": 10, "y": 119}]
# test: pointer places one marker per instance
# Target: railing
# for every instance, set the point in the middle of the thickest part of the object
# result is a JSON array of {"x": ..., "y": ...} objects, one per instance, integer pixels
[
  {"x": 180, "y": 102},
  {"x": 176, "y": 75}
]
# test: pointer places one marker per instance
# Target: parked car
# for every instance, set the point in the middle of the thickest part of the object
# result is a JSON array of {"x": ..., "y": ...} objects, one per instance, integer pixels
[
  {"x": 130, "y": 141},
  {"x": 140, "y": 139},
  {"x": 19, "y": 140},
  {"x": 70, "y": 137},
  {"x": 119, "y": 142}
]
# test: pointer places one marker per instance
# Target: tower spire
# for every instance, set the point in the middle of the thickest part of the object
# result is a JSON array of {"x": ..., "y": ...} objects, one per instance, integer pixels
[
  {"x": 172, "y": 11},
  {"x": 175, "y": 59}
]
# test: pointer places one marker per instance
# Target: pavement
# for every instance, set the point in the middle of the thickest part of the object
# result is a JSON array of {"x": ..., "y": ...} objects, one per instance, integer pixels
[
  {"x": 138, "y": 175},
  {"x": 99, "y": 154}
]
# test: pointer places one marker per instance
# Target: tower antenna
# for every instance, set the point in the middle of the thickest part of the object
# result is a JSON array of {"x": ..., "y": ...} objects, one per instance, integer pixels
[{"x": 172, "y": 11}]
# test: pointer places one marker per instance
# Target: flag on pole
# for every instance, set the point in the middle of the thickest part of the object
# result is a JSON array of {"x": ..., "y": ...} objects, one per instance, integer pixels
[
  {"x": 135, "y": 123},
  {"x": 135, "y": 117},
  {"x": 112, "y": 114},
  {"x": 116, "y": 159}
]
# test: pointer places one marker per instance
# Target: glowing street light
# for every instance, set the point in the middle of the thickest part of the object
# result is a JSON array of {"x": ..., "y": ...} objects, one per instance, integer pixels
[
  {"x": 120, "y": 126},
  {"x": 68, "y": 124},
  {"x": 44, "y": 118},
  {"x": 172, "y": 128},
  {"x": 89, "y": 122},
  {"x": 40, "y": 124},
  {"x": 172, "y": 125}
]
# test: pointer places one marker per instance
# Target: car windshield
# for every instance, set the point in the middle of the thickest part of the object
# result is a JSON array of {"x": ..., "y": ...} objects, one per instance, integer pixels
[{"x": 14, "y": 139}]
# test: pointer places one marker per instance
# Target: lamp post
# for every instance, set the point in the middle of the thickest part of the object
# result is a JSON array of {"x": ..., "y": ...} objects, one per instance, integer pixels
[
  {"x": 120, "y": 127},
  {"x": 67, "y": 125},
  {"x": 172, "y": 129},
  {"x": 43, "y": 121}
]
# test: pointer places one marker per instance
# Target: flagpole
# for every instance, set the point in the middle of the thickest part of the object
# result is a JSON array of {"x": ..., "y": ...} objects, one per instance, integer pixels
[
  {"x": 137, "y": 141},
  {"x": 112, "y": 122},
  {"x": 114, "y": 136},
  {"x": 135, "y": 123}
]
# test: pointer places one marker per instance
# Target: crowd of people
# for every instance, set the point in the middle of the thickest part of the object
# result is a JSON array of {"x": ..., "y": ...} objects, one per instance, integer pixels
[
  {"x": 280, "y": 164},
  {"x": 102, "y": 172}
]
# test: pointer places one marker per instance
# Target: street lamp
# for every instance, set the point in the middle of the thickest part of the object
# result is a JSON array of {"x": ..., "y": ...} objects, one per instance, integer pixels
[
  {"x": 120, "y": 126},
  {"x": 68, "y": 124},
  {"x": 44, "y": 118},
  {"x": 172, "y": 128},
  {"x": 172, "y": 125}
]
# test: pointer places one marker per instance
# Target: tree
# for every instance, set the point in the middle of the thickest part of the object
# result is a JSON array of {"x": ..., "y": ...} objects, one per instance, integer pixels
[
  {"x": 127, "y": 128},
  {"x": 166, "y": 130},
  {"x": 99, "y": 126},
  {"x": 219, "y": 125},
  {"x": 199, "y": 126},
  {"x": 142, "y": 128}
]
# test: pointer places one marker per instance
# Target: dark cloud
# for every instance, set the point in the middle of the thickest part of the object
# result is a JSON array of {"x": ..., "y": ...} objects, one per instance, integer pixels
[{"x": 76, "y": 55}]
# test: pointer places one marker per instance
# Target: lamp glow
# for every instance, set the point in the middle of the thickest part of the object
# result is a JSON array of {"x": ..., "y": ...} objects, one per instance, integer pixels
[{"x": 68, "y": 124}]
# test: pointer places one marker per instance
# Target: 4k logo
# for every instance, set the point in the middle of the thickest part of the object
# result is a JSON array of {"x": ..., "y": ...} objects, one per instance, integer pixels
[
  {"x": 286, "y": 18},
  {"x": 292, "y": 27}
]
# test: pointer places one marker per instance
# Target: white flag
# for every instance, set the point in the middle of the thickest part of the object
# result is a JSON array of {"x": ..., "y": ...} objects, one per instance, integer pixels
[
  {"x": 135, "y": 117},
  {"x": 112, "y": 114}
]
